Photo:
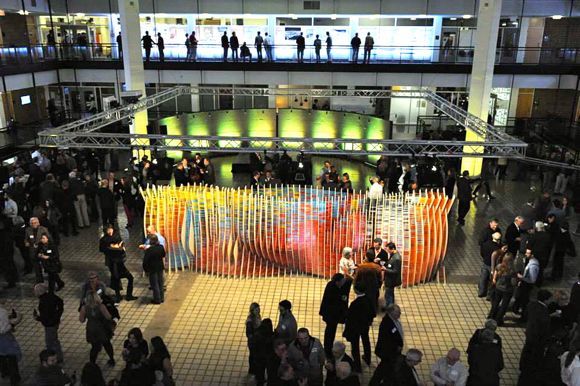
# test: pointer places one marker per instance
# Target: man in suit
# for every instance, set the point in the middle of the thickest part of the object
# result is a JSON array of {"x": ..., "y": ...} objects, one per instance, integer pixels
[
  {"x": 334, "y": 307},
  {"x": 405, "y": 373},
  {"x": 389, "y": 344},
  {"x": 379, "y": 252},
  {"x": 490, "y": 229},
  {"x": 392, "y": 273},
  {"x": 513, "y": 235},
  {"x": 225, "y": 45},
  {"x": 537, "y": 336},
  {"x": 344, "y": 375},
  {"x": 255, "y": 181},
  {"x": 358, "y": 319},
  {"x": 574, "y": 303},
  {"x": 334, "y": 361},
  {"x": 180, "y": 174},
  {"x": 464, "y": 196},
  {"x": 541, "y": 243},
  {"x": 487, "y": 249},
  {"x": 485, "y": 361},
  {"x": 32, "y": 236}
]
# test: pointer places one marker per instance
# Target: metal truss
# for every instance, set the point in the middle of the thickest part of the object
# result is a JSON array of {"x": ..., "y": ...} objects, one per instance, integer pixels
[
  {"x": 329, "y": 146},
  {"x": 84, "y": 133},
  {"x": 553, "y": 164}
]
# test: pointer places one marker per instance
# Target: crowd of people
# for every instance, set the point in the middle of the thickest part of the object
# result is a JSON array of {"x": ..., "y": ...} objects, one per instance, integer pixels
[{"x": 56, "y": 192}]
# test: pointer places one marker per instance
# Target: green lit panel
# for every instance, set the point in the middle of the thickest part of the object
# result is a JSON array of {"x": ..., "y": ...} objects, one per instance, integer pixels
[
  {"x": 376, "y": 129},
  {"x": 261, "y": 123},
  {"x": 228, "y": 124},
  {"x": 174, "y": 127},
  {"x": 323, "y": 125},
  {"x": 291, "y": 124}
]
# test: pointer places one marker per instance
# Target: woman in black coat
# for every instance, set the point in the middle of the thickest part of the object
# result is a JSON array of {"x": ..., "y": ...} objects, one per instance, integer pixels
[{"x": 49, "y": 258}]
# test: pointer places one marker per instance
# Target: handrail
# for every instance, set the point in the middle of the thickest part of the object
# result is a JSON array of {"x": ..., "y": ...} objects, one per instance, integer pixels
[{"x": 213, "y": 52}]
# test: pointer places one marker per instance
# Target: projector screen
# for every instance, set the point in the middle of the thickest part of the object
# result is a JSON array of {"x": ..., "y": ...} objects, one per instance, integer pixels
[{"x": 25, "y": 100}]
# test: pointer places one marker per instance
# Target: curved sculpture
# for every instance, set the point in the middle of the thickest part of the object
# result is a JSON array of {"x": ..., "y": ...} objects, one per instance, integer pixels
[{"x": 284, "y": 230}]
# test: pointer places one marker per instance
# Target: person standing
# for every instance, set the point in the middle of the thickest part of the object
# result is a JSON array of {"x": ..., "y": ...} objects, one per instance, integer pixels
[
  {"x": 99, "y": 332},
  {"x": 7, "y": 241},
  {"x": 161, "y": 47},
  {"x": 526, "y": 283},
  {"x": 355, "y": 45},
  {"x": 369, "y": 276},
  {"x": 513, "y": 235},
  {"x": 537, "y": 339},
  {"x": 77, "y": 187},
  {"x": 160, "y": 360},
  {"x": 464, "y": 196},
  {"x": 287, "y": 328},
  {"x": 358, "y": 319},
  {"x": 50, "y": 309},
  {"x": 263, "y": 349},
  {"x": 369, "y": 44},
  {"x": 563, "y": 245},
  {"x": 328, "y": 48},
  {"x": 117, "y": 256},
  {"x": 346, "y": 265},
  {"x": 389, "y": 344},
  {"x": 258, "y": 42},
  {"x": 153, "y": 265},
  {"x": 449, "y": 370},
  {"x": 49, "y": 260},
  {"x": 392, "y": 273},
  {"x": 300, "y": 46},
  {"x": 49, "y": 372},
  {"x": 193, "y": 46},
  {"x": 147, "y": 45},
  {"x": 120, "y": 45},
  {"x": 269, "y": 47},
  {"x": 107, "y": 203},
  {"x": 187, "y": 48},
  {"x": 225, "y": 45},
  {"x": 234, "y": 45},
  {"x": 485, "y": 360},
  {"x": 253, "y": 322},
  {"x": 306, "y": 356},
  {"x": 317, "y": 47},
  {"x": 32, "y": 236},
  {"x": 338, "y": 356},
  {"x": 208, "y": 171},
  {"x": 404, "y": 371},
  {"x": 504, "y": 278},
  {"x": 488, "y": 247},
  {"x": 334, "y": 307}
]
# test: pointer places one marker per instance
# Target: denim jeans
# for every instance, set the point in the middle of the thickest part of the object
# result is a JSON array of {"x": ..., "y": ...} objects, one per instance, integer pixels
[
  {"x": 484, "y": 280},
  {"x": 156, "y": 282},
  {"x": 389, "y": 296},
  {"x": 52, "y": 341}
]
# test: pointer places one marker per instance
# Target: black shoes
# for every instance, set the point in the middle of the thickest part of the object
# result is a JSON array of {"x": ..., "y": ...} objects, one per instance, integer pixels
[
  {"x": 131, "y": 298},
  {"x": 111, "y": 363}
]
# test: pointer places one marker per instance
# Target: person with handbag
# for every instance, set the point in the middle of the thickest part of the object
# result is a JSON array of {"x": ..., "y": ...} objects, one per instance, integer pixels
[
  {"x": 49, "y": 260},
  {"x": 99, "y": 332},
  {"x": 160, "y": 361},
  {"x": 504, "y": 281},
  {"x": 117, "y": 256}
]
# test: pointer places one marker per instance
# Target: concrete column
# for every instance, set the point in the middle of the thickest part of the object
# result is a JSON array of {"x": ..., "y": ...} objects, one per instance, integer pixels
[
  {"x": 132, "y": 57},
  {"x": 3, "y": 117},
  {"x": 482, "y": 72},
  {"x": 524, "y": 25}
]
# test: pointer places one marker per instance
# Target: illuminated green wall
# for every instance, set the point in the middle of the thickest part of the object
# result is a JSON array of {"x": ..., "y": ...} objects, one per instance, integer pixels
[{"x": 292, "y": 123}]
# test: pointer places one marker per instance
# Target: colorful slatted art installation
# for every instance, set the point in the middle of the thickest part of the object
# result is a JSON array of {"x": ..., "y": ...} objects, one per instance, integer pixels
[{"x": 290, "y": 230}]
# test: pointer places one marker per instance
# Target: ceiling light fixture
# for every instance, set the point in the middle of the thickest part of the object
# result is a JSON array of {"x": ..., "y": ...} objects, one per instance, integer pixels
[
  {"x": 557, "y": 17},
  {"x": 453, "y": 18},
  {"x": 333, "y": 16},
  {"x": 467, "y": 17}
]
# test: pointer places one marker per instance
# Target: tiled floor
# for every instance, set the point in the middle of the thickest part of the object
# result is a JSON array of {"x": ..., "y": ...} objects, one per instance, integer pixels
[{"x": 203, "y": 317}]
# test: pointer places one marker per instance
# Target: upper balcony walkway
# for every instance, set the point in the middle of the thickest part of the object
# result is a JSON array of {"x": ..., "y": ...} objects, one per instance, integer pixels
[{"x": 410, "y": 59}]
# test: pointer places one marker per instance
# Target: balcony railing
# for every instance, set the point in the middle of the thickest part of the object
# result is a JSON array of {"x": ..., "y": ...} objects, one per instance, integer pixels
[{"x": 289, "y": 54}]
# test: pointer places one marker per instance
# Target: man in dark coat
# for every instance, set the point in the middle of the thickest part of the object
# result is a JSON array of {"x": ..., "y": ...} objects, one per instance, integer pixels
[
  {"x": 369, "y": 276},
  {"x": 235, "y": 45},
  {"x": 490, "y": 229},
  {"x": 541, "y": 243},
  {"x": 487, "y": 249},
  {"x": 358, "y": 319},
  {"x": 225, "y": 45},
  {"x": 405, "y": 373},
  {"x": 464, "y": 196},
  {"x": 334, "y": 307},
  {"x": 513, "y": 235},
  {"x": 485, "y": 361},
  {"x": 180, "y": 175},
  {"x": 392, "y": 273},
  {"x": 537, "y": 337},
  {"x": 147, "y": 45},
  {"x": 389, "y": 344}
]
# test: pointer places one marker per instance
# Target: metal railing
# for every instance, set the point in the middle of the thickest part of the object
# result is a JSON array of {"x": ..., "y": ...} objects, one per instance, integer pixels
[{"x": 288, "y": 53}]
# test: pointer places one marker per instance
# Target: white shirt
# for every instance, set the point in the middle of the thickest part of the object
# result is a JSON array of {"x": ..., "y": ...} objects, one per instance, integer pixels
[
  {"x": 10, "y": 208},
  {"x": 570, "y": 375},
  {"x": 346, "y": 264},
  {"x": 446, "y": 373},
  {"x": 376, "y": 191}
]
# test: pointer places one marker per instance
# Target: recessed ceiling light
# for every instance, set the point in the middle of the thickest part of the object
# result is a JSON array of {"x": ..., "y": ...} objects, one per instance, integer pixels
[
  {"x": 452, "y": 18},
  {"x": 557, "y": 17},
  {"x": 467, "y": 16},
  {"x": 333, "y": 16}
]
